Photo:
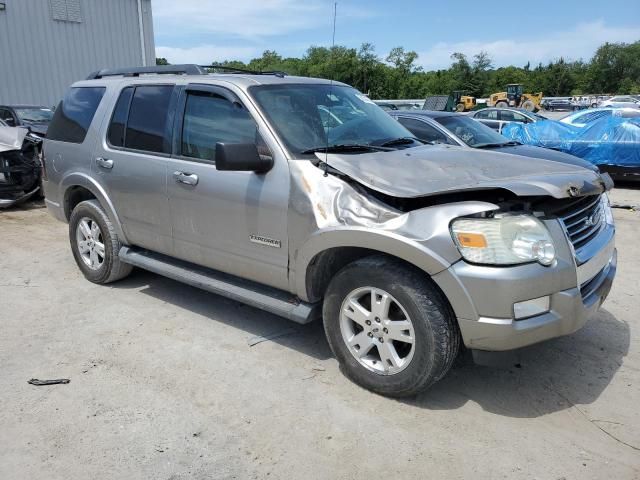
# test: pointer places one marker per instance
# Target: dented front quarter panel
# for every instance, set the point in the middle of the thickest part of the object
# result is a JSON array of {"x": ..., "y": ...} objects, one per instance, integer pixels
[{"x": 327, "y": 212}]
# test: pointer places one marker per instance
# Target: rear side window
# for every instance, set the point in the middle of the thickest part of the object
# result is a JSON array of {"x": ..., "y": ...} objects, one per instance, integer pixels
[
  {"x": 148, "y": 119},
  {"x": 119, "y": 118},
  {"x": 74, "y": 114},
  {"x": 423, "y": 131}
]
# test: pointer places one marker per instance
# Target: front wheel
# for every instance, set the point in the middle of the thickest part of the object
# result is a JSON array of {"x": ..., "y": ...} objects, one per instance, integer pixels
[{"x": 389, "y": 326}]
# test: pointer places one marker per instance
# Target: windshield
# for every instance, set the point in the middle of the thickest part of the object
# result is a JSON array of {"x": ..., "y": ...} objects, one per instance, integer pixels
[
  {"x": 470, "y": 131},
  {"x": 34, "y": 114},
  {"x": 313, "y": 116}
]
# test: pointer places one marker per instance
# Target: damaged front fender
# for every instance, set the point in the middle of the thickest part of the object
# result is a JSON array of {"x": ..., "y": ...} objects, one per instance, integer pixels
[{"x": 332, "y": 213}]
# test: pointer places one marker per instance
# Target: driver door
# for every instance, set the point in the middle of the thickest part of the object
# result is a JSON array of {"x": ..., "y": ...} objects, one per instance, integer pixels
[{"x": 234, "y": 222}]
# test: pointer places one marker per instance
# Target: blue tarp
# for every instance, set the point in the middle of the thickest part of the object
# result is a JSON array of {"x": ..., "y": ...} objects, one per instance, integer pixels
[{"x": 606, "y": 141}]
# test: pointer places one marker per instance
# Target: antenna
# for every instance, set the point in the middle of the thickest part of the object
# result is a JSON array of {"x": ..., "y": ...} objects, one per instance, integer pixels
[{"x": 333, "y": 70}]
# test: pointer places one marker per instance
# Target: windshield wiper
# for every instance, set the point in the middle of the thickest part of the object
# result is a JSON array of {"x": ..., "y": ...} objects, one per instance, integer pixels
[
  {"x": 496, "y": 145},
  {"x": 401, "y": 141},
  {"x": 347, "y": 147}
]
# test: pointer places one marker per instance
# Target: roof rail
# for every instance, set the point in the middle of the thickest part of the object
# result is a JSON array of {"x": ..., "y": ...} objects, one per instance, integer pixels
[
  {"x": 186, "y": 69},
  {"x": 241, "y": 70}
]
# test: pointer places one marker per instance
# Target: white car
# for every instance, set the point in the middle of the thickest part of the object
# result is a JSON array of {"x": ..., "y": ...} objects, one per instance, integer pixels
[
  {"x": 584, "y": 117},
  {"x": 621, "y": 101}
]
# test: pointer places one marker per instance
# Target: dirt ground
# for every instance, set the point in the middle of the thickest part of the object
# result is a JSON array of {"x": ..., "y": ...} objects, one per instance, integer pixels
[{"x": 164, "y": 385}]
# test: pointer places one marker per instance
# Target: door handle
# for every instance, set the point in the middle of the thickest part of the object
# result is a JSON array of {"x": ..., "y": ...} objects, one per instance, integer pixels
[
  {"x": 104, "y": 163},
  {"x": 186, "y": 178}
]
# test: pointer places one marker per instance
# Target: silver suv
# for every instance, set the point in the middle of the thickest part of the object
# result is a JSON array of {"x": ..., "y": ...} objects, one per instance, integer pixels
[{"x": 302, "y": 197}]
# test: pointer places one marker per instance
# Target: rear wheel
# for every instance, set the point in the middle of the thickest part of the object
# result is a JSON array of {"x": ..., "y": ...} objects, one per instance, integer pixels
[
  {"x": 460, "y": 107},
  {"x": 389, "y": 326},
  {"x": 95, "y": 244},
  {"x": 502, "y": 104}
]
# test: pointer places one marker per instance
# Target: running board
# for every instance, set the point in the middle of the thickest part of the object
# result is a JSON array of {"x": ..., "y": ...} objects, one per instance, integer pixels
[{"x": 251, "y": 293}]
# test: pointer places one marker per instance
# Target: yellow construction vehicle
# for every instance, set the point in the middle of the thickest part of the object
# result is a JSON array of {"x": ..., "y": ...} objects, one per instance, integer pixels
[
  {"x": 463, "y": 103},
  {"x": 514, "y": 97}
]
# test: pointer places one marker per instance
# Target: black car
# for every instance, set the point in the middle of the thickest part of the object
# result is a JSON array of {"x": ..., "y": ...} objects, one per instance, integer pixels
[
  {"x": 458, "y": 129},
  {"x": 561, "y": 104},
  {"x": 32, "y": 117}
]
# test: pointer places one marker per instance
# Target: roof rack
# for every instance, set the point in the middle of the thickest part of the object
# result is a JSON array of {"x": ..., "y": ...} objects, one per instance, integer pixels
[
  {"x": 242, "y": 70},
  {"x": 185, "y": 69}
]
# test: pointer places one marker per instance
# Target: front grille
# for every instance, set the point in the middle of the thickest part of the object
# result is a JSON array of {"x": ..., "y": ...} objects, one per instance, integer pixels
[{"x": 583, "y": 219}]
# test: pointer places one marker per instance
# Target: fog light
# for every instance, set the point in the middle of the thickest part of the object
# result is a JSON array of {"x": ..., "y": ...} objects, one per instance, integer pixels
[{"x": 530, "y": 308}]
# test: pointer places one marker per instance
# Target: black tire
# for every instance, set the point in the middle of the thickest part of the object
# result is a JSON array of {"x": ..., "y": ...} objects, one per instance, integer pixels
[
  {"x": 112, "y": 268},
  {"x": 437, "y": 336}
]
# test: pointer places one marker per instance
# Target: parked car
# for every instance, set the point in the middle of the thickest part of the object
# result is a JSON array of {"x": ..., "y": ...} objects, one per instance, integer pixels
[
  {"x": 621, "y": 101},
  {"x": 458, "y": 129},
  {"x": 610, "y": 142},
  {"x": 561, "y": 104},
  {"x": 496, "y": 118},
  {"x": 19, "y": 165},
  {"x": 34, "y": 118},
  {"x": 585, "y": 117},
  {"x": 233, "y": 184}
]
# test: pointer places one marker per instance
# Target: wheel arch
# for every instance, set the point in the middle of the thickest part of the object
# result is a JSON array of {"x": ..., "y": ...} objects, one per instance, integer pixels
[
  {"x": 78, "y": 187},
  {"x": 327, "y": 252}
]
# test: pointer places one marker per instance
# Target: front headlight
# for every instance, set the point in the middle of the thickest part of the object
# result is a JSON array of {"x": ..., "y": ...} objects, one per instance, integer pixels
[{"x": 503, "y": 240}]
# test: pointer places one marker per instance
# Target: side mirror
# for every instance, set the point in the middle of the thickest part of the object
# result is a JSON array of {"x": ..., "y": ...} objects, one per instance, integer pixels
[
  {"x": 10, "y": 121},
  {"x": 241, "y": 157}
]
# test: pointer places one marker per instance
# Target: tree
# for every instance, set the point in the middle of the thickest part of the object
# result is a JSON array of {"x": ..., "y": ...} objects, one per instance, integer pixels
[
  {"x": 161, "y": 61},
  {"x": 614, "y": 68}
]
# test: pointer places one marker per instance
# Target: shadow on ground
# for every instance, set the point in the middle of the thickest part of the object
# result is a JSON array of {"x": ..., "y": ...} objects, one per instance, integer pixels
[
  {"x": 307, "y": 339},
  {"x": 548, "y": 377}
]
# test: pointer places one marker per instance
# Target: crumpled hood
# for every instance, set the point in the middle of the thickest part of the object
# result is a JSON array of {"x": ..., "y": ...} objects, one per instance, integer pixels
[
  {"x": 434, "y": 169},
  {"x": 11, "y": 138}
]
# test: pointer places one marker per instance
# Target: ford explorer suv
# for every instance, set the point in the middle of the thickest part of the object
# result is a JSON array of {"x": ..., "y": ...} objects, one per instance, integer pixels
[{"x": 303, "y": 198}]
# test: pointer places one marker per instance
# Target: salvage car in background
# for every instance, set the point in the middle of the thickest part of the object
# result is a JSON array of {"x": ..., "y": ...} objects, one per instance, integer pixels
[
  {"x": 612, "y": 143},
  {"x": 496, "y": 118},
  {"x": 585, "y": 117},
  {"x": 34, "y": 118},
  {"x": 622, "y": 101},
  {"x": 561, "y": 104},
  {"x": 458, "y": 129},
  {"x": 19, "y": 165}
]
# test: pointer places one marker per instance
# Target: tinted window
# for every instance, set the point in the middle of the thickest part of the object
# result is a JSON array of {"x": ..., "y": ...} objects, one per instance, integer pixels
[
  {"x": 509, "y": 116},
  {"x": 5, "y": 114},
  {"x": 148, "y": 119},
  {"x": 209, "y": 119},
  {"x": 119, "y": 118},
  {"x": 487, "y": 114},
  {"x": 423, "y": 131},
  {"x": 73, "y": 116}
]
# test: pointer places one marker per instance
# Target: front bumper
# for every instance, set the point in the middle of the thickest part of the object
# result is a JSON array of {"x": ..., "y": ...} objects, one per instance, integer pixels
[{"x": 483, "y": 298}]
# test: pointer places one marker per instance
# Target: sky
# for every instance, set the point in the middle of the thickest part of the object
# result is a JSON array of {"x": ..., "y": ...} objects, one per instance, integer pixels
[{"x": 512, "y": 32}]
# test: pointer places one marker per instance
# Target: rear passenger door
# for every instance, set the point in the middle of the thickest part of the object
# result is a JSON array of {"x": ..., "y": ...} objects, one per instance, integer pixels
[
  {"x": 235, "y": 222},
  {"x": 131, "y": 163},
  {"x": 489, "y": 118}
]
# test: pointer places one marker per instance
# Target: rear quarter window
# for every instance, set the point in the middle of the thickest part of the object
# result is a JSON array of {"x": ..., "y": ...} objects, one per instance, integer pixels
[{"x": 74, "y": 114}]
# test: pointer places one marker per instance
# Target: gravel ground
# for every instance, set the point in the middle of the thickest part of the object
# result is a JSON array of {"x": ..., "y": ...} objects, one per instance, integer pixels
[{"x": 164, "y": 385}]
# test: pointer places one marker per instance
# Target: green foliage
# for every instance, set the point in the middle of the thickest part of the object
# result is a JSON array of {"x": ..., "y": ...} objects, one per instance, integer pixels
[{"x": 614, "y": 68}]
